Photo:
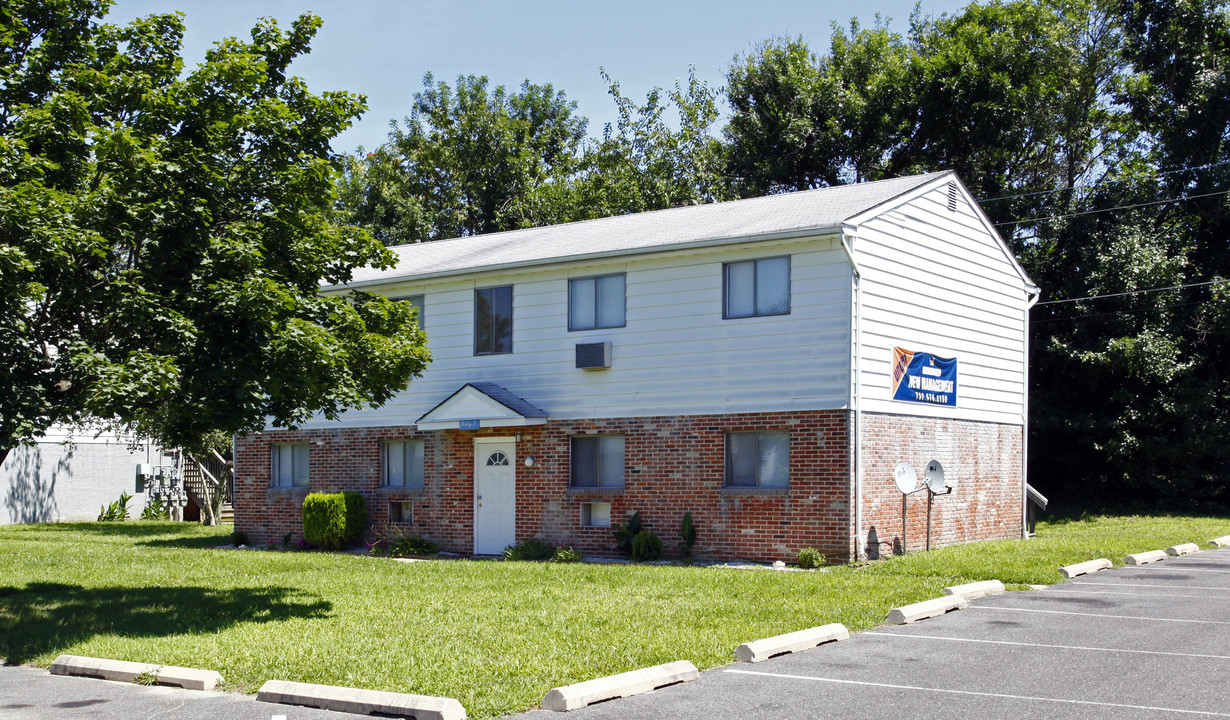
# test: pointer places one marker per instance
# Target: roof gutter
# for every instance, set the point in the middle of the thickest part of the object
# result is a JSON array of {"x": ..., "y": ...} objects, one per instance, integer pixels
[{"x": 693, "y": 245}]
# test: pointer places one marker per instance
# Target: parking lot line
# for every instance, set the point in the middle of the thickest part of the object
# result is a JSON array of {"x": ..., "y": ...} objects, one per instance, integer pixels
[
  {"x": 865, "y": 683},
  {"x": 1132, "y": 594},
  {"x": 1172, "y": 567},
  {"x": 1102, "y": 615},
  {"x": 1157, "y": 585},
  {"x": 1044, "y": 645}
]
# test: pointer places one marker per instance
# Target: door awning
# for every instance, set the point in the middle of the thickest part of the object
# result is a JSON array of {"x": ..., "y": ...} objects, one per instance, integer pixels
[{"x": 478, "y": 405}]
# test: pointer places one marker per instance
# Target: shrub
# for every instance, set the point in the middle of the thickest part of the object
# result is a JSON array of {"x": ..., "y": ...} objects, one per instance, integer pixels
[
  {"x": 155, "y": 509},
  {"x": 412, "y": 545},
  {"x": 532, "y": 549},
  {"x": 116, "y": 511},
  {"x": 566, "y": 555},
  {"x": 687, "y": 531},
  {"x": 810, "y": 558},
  {"x": 626, "y": 532},
  {"x": 393, "y": 540},
  {"x": 239, "y": 537},
  {"x": 331, "y": 520},
  {"x": 646, "y": 546}
]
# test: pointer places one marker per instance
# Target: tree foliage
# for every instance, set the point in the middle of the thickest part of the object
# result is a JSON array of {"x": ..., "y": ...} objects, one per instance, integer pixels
[
  {"x": 164, "y": 234},
  {"x": 475, "y": 159}
]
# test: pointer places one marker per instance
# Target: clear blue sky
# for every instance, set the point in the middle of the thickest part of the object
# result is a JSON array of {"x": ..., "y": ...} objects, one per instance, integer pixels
[{"x": 382, "y": 48}]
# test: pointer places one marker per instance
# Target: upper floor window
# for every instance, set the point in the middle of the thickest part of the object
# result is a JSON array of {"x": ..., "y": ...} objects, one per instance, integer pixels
[
  {"x": 493, "y": 320},
  {"x": 596, "y": 302},
  {"x": 290, "y": 465},
  {"x": 403, "y": 463},
  {"x": 417, "y": 302},
  {"x": 756, "y": 287},
  {"x": 598, "y": 461},
  {"x": 758, "y": 459}
]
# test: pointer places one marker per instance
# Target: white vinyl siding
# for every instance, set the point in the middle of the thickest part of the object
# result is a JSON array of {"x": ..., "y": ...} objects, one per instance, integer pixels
[
  {"x": 935, "y": 280},
  {"x": 290, "y": 465},
  {"x": 676, "y": 355},
  {"x": 402, "y": 463}
]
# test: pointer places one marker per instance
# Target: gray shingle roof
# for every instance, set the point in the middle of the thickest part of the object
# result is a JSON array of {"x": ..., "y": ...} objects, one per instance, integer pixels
[{"x": 788, "y": 213}]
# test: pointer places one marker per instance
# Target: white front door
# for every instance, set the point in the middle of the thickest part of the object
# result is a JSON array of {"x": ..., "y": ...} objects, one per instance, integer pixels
[{"x": 495, "y": 496}]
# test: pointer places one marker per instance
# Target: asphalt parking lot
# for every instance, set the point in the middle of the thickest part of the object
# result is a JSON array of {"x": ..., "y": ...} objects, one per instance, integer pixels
[{"x": 1134, "y": 642}]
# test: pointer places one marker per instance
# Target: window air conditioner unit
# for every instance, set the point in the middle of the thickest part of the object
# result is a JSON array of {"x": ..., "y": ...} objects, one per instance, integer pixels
[{"x": 593, "y": 356}]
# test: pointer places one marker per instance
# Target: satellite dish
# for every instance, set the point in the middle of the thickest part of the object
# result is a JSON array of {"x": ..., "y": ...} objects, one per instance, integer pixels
[
  {"x": 935, "y": 477},
  {"x": 906, "y": 478}
]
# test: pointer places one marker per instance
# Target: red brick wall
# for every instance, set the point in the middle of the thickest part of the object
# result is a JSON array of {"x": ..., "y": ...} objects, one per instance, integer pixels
[
  {"x": 673, "y": 465},
  {"x": 983, "y": 458}
]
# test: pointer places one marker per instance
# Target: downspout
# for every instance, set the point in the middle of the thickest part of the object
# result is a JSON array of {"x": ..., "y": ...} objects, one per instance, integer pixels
[
  {"x": 1032, "y": 295},
  {"x": 856, "y": 391}
]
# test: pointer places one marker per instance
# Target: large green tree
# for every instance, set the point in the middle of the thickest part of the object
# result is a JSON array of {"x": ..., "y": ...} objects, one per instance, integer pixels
[
  {"x": 475, "y": 159},
  {"x": 469, "y": 159},
  {"x": 164, "y": 234}
]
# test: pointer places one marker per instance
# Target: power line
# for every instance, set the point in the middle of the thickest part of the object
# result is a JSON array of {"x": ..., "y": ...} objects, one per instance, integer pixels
[
  {"x": 1092, "y": 187},
  {"x": 1112, "y": 209},
  {"x": 1133, "y": 292},
  {"x": 1114, "y": 313}
]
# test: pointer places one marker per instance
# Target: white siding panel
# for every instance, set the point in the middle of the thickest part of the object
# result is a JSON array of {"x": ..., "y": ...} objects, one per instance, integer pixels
[
  {"x": 937, "y": 281},
  {"x": 675, "y": 356}
]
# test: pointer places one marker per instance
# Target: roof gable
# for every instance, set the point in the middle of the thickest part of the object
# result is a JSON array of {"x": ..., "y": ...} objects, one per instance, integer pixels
[{"x": 481, "y": 404}]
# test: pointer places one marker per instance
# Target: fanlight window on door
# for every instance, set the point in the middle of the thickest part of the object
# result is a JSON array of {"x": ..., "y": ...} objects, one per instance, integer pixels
[{"x": 497, "y": 458}]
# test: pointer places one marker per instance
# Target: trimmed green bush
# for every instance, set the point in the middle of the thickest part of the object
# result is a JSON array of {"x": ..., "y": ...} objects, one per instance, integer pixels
[
  {"x": 333, "y": 520},
  {"x": 810, "y": 558},
  {"x": 532, "y": 549},
  {"x": 646, "y": 546}
]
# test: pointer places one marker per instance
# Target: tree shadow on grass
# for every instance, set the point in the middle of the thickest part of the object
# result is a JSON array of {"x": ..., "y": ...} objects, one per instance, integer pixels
[
  {"x": 150, "y": 534},
  {"x": 43, "y": 618}
]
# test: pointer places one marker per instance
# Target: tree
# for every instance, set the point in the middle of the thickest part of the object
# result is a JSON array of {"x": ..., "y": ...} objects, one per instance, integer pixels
[
  {"x": 164, "y": 236},
  {"x": 644, "y": 163},
  {"x": 469, "y": 159}
]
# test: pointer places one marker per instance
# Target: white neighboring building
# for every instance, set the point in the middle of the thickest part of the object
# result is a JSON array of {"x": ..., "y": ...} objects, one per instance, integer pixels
[{"x": 68, "y": 475}]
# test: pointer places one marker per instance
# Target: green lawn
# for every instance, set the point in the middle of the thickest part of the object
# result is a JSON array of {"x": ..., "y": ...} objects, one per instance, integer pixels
[{"x": 494, "y": 635}]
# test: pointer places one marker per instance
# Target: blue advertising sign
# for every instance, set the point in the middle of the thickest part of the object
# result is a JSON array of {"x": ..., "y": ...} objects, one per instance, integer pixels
[{"x": 924, "y": 378}]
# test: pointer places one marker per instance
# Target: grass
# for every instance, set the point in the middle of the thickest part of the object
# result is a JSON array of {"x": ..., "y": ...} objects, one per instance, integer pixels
[{"x": 494, "y": 635}]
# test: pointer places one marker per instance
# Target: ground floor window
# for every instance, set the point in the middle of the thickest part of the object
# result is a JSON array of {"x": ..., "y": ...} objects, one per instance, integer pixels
[
  {"x": 758, "y": 459},
  {"x": 290, "y": 465},
  {"x": 598, "y": 461},
  {"x": 402, "y": 464}
]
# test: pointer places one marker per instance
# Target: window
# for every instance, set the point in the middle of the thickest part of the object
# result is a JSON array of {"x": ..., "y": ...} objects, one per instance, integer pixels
[
  {"x": 758, "y": 459},
  {"x": 290, "y": 465},
  {"x": 596, "y": 514},
  {"x": 493, "y": 320},
  {"x": 401, "y": 511},
  {"x": 598, "y": 461},
  {"x": 757, "y": 287},
  {"x": 403, "y": 463},
  {"x": 596, "y": 302},
  {"x": 417, "y": 302}
]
